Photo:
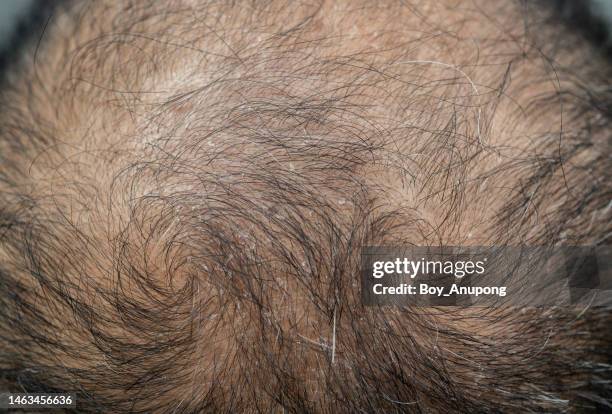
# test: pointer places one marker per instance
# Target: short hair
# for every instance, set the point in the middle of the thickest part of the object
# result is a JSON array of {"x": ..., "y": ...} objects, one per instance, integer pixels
[{"x": 185, "y": 190}]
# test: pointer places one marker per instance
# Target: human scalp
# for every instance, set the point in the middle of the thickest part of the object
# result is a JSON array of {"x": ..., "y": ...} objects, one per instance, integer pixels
[{"x": 186, "y": 187}]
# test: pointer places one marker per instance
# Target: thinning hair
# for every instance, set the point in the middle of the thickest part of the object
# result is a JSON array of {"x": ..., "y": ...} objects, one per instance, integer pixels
[{"x": 186, "y": 187}]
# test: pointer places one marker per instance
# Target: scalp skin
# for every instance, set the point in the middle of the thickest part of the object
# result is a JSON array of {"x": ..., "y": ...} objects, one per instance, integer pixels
[{"x": 186, "y": 187}]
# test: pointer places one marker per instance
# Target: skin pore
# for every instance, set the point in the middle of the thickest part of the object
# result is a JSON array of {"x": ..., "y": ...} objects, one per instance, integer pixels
[{"x": 185, "y": 188}]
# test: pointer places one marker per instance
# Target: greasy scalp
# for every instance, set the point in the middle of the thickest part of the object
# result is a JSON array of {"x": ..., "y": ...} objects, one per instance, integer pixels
[{"x": 186, "y": 187}]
